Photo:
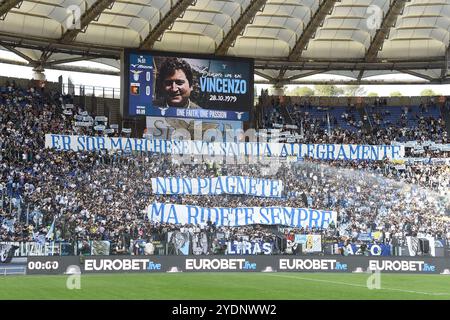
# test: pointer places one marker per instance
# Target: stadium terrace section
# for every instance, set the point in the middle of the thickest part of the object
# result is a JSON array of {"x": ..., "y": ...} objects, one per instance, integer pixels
[{"x": 84, "y": 202}]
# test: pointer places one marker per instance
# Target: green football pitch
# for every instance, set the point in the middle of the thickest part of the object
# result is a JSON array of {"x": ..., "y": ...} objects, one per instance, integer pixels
[{"x": 227, "y": 286}]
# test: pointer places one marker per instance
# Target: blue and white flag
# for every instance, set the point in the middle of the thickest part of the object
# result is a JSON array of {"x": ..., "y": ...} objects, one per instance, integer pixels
[
  {"x": 51, "y": 231},
  {"x": 39, "y": 238},
  {"x": 8, "y": 224}
]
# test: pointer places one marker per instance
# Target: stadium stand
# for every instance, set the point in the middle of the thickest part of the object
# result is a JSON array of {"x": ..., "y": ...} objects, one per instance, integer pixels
[
  {"x": 75, "y": 198},
  {"x": 79, "y": 199}
]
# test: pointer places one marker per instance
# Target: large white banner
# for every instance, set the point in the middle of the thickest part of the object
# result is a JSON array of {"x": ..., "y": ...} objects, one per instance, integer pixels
[
  {"x": 235, "y": 217},
  {"x": 214, "y": 186},
  {"x": 191, "y": 147}
]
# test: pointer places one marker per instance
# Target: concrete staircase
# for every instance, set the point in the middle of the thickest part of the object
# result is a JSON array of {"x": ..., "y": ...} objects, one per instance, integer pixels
[
  {"x": 445, "y": 111},
  {"x": 364, "y": 118}
]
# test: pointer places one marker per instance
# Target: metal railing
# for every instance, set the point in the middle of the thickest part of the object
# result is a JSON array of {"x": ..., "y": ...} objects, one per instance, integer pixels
[
  {"x": 84, "y": 90},
  {"x": 13, "y": 270},
  {"x": 368, "y": 117}
]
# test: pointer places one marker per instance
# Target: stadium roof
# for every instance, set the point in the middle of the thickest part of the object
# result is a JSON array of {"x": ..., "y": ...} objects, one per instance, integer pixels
[{"x": 290, "y": 39}]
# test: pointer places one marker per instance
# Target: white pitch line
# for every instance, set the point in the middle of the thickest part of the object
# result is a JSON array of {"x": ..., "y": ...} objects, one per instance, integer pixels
[{"x": 362, "y": 286}]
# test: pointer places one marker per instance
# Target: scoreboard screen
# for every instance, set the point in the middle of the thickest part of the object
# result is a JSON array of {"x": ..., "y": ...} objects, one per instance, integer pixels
[{"x": 187, "y": 86}]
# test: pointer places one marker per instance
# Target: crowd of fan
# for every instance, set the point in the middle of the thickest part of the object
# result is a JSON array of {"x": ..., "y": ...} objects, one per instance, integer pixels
[
  {"x": 326, "y": 129},
  {"x": 104, "y": 195},
  {"x": 432, "y": 176},
  {"x": 314, "y": 130}
]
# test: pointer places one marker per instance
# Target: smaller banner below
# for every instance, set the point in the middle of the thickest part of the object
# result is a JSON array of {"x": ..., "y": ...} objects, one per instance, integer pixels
[
  {"x": 219, "y": 185},
  {"x": 370, "y": 249},
  {"x": 234, "y": 217},
  {"x": 248, "y": 247}
]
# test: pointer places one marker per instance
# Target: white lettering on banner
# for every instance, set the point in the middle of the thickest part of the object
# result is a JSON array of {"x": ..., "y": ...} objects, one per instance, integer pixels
[
  {"x": 215, "y": 186},
  {"x": 395, "y": 265},
  {"x": 32, "y": 248},
  {"x": 307, "y": 264},
  {"x": 120, "y": 265},
  {"x": 219, "y": 264},
  {"x": 245, "y": 247},
  {"x": 316, "y": 151},
  {"x": 234, "y": 217}
]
